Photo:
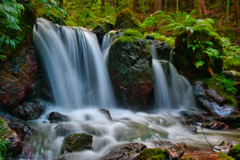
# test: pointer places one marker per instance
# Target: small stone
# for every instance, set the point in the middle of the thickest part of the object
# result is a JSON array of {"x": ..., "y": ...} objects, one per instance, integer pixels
[{"x": 222, "y": 146}]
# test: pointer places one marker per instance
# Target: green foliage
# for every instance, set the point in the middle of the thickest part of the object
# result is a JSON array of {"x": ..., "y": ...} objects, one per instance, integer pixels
[
  {"x": 224, "y": 87},
  {"x": 199, "y": 63},
  {"x": 3, "y": 128},
  {"x": 131, "y": 32},
  {"x": 235, "y": 151},
  {"x": 153, "y": 154},
  {"x": 168, "y": 40},
  {"x": 223, "y": 156}
]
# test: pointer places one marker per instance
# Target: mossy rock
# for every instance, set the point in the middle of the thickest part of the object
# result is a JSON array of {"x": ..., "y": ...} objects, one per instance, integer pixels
[
  {"x": 153, "y": 154},
  {"x": 129, "y": 66},
  {"x": 186, "y": 57},
  {"x": 125, "y": 19},
  {"x": 131, "y": 32},
  {"x": 235, "y": 151},
  {"x": 101, "y": 29},
  {"x": 77, "y": 142}
]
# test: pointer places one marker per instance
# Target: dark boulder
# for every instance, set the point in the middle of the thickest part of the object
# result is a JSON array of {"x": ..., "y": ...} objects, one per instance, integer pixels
[
  {"x": 163, "y": 49},
  {"x": 77, "y": 142},
  {"x": 106, "y": 113},
  {"x": 125, "y": 19},
  {"x": 124, "y": 152},
  {"x": 186, "y": 56},
  {"x": 56, "y": 117},
  {"x": 212, "y": 101},
  {"x": 30, "y": 110},
  {"x": 18, "y": 79},
  {"x": 130, "y": 71},
  {"x": 102, "y": 29}
]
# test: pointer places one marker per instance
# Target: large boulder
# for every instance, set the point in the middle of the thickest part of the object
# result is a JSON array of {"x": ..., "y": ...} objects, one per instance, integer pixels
[
  {"x": 163, "y": 49},
  {"x": 77, "y": 142},
  {"x": 124, "y": 152},
  {"x": 55, "y": 117},
  {"x": 30, "y": 110},
  {"x": 11, "y": 139},
  {"x": 18, "y": 79},
  {"x": 186, "y": 56},
  {"x": 125, "y": 19},
  {"x": 130, "y": 70}
]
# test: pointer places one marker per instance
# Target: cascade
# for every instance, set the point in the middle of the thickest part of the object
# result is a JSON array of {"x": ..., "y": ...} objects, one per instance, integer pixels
[
  {"x": 75, "y": 66},
  {"x": 172, "y": 90}
]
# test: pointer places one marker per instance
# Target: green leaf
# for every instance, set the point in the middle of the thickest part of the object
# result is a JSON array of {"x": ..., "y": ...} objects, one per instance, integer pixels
[{"x": 199, "y": 63}]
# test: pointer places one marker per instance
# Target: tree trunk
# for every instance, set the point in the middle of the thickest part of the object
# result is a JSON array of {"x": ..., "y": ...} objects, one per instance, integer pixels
[
  {"x": 102, "y": 7},
  {"x": 202, "y": 7},
  {"x": 228, "y": 4},
  {"x": 61, "y": 6},
  {"x": 134, "y": 4},
  {"x": 236, "y": 12},
  {"x": 197, "y": 7},
  {"x": 157, "y": 5}
]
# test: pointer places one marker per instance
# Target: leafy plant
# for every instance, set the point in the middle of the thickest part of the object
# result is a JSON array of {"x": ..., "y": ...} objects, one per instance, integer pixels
[
  {"x": 223, "y": 86},
  {"x": 168, "y": 40},
  {"x": 2, "y": 149}
]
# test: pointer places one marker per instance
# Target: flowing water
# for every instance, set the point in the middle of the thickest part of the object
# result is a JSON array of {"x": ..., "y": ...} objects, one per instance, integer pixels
[{"x": 78, "y": 74}]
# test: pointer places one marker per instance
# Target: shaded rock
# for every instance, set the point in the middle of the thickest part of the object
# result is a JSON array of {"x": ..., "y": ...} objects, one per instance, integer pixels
[
  {"x": 130, "y": 72},
  {"x": 213, "y": 102},
  {"x": 152, "y": 154},
  {"x": 232, "y": 120},
  {"x": 125, "y": 19},
  {"x": 11, "y": 139},
  {"x": 124, "y": 152},
  {"x": 102, "y": 29},
  {"x": 215, "y": 125},
  {"x": 235, "y": 151},
  {"x": 64, "y": 129},
  {"x": 77, "y": 142},
  {"x": 149, "y": 37},
  {"x": 177, "y": 150},
  {"x": 106, "y": 113},
  {"x": 186, "y": 57},
  {"x": 30, "y": 110},
  {"x": 56, "y": 117},
  {"x": 18, "y": 79},
  {"x": 183, "y": 120},
  {"x": 222, "y": 146},
  {"x": 27, "y": 152},
  {"x": 196, "y": 116},
  {"x": 163, "y": 49}
]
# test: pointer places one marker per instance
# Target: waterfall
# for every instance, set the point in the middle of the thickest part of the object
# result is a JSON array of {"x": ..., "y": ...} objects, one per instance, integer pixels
[
  {"x": 172, "y": 90},
  {"x": 106, "y": 44},
  {"x": 75, "y": 66}
]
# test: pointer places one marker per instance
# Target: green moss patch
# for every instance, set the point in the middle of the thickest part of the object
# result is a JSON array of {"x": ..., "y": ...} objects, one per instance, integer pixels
[
  {"x": 235, "y": 151},
  {"x": 131, "y": 32},
  {"x": 153, "y": 154}
]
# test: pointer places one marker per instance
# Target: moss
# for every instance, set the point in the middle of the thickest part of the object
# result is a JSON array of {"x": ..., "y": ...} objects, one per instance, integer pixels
[
  {"x": 131, "y": 32},
  {"x": 235, "y": 151},
  {"x": 186, "y": 157},
  {"x": 223, "y": 156},
  {"x": 3, "y": 126},
  {"x": 125, "y": 19},
  {"x": 153, "y": 154}
]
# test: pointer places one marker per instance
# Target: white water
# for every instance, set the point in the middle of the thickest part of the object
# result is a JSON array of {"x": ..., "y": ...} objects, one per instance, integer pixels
[
  {"x": 106, "y": 44},
  {"x": 172, "y": 90},
  {"x": 75, "y": 66}
]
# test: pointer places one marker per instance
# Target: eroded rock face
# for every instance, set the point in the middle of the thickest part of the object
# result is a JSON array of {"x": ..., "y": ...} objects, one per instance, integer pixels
[
  {"x": 163, "y": 49},
  {"x": 196, "y": 116},
  {"x": 11, "y": 139},
  {"x": 106, "y": 113},
  {"x": 222, "y": 146},
  {"x": 30, "y": 110},
  {"x": 177, "y": 150},
  {"x": 124, "y": 152},
  {"x": 215, "y": 125},
  {"x": 56, "y": 117},
  {"x": 125, "y": 19},
  {"x": 18, "y": 79},
  {"x": 130, "y": 71},
  {"x": 77, "y": 142},
  {"x": 213, "y": 102}
]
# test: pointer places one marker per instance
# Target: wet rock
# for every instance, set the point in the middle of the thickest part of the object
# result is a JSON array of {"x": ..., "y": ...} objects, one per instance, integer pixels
[
  {"x": 186, "y": 57},
  {"x": 177, "y": 150},
  {"x": 130, "y": 72},
  {"x": 30, "y": 110},
  {"x": 125, "y": 19},
  {"x": 67, "y": 156},
  {"x": 191, "y": 129},
  {"x": 106, "y": 113},
  {"x": 101, "y": 30},
  {"x": 64, "y": 129},
  {"x": 163, "y": 49},
  {"x": 222, "y": 146},
  {"x": 235, "y": 151},
  {"x": 195, "y": 116},
  {"x": 18, "y": 79},
  {"x": 183, "y": 120},
  {"x": 215, "y": 125},
  {"x": 11, "y": 139},
  {"x": 213, "y": 102},
  {"x": 153, "y": 153},
  {"x": 77, "y": 142},
  {"x": 27, "y": 152},
  {"x": 124, "y": 152},
  {"x": 56, "y": 117},
  {"x": 232, "y": 120}
]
